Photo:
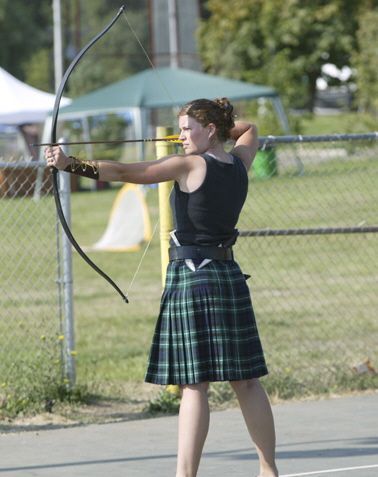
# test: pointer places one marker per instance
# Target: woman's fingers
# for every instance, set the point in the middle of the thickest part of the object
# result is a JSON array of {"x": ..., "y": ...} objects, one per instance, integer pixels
[{"x": 53, "y": 154}]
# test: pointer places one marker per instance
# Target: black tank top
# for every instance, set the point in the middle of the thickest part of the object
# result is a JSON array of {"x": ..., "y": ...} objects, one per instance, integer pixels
[{"x": 208, "y": 215}]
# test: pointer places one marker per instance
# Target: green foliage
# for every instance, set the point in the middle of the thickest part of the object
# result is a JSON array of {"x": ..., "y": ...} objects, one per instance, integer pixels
[
  {"x": 165, "y": 403},
  {"x": 280, "y": 44},
  {"x": 116, "y": 55},
  {"x": 263, "y": 114},
  {"x": 26, "y": 36},
  {"x": 24, "y": 29},
  {"x": 35, "y": 68},
  {"x": 337, "y": 123},
  {"x": 365, "y": 60},
  {"x": 105, "y": 127},
  {"x": 36, "y": 388},
  {"x": 35, "y": 382},
  {"x": 221, "y": 393}
]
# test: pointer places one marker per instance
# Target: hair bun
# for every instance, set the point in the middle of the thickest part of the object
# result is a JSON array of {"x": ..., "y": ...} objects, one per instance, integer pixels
[{"x": 224, "y": 103}]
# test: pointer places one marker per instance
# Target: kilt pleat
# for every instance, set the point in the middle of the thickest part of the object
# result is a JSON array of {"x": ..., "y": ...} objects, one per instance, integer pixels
[{"x": 206, "y": 330}]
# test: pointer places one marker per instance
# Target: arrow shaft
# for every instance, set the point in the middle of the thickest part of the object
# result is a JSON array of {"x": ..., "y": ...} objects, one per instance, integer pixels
[{"x": 116, "y": 141}]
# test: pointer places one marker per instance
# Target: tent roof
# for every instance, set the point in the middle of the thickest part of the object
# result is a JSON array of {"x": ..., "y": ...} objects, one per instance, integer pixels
[
  {"x": 21, "y": 103},
  {"x": 161, "y": 88}
]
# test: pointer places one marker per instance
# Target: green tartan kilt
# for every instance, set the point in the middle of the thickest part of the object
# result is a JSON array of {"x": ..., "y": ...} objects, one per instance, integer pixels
[{"x": 206, "y": 330}]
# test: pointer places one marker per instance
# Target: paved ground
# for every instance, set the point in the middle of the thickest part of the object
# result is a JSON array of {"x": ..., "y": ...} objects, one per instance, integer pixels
[{"x": 335, "y": 437}]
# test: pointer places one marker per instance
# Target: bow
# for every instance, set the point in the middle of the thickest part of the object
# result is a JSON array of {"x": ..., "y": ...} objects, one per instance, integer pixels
[{"x": 54, "y": 171}]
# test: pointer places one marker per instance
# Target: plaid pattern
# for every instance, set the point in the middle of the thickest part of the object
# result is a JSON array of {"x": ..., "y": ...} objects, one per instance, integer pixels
[{"x": 206, "y": 329}]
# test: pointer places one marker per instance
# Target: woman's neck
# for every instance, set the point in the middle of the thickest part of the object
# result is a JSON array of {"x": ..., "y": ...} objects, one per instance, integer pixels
[{"x": 219, "y": 153}]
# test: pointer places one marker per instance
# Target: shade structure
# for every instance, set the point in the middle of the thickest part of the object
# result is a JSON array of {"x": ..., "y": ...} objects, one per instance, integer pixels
[{"x": 162, "y": 88}]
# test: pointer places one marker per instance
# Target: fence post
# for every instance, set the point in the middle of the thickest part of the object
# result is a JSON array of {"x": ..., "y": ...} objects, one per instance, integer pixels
[
  {"x": 165, "y": 214},
  {"x": 67, "y": 281},
  {"x": 166, "y": 223}
]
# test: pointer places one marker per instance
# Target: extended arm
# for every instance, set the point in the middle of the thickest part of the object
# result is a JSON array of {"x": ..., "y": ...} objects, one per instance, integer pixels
[{"x": 174, "y": 167}]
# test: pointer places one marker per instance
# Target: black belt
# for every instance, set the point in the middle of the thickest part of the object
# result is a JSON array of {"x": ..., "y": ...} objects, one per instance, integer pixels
[{"x": 197, "y": 252}]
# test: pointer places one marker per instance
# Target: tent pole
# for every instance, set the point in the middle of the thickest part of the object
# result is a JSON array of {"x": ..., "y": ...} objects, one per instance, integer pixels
[
  {"x": 140, "y": 126},
  {"x": 277, "y": 104}
]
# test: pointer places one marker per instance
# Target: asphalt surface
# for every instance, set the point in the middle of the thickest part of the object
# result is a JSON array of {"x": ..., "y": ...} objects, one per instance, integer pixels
[{"x": 332, "y": 437}]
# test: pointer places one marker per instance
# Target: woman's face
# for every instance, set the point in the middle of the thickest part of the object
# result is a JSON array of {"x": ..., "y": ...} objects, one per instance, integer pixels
[{"x": 195, "y": 137}]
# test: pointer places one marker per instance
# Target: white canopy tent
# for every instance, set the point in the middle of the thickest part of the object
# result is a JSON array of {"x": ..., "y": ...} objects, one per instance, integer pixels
[{"x": 23, "y": 104}]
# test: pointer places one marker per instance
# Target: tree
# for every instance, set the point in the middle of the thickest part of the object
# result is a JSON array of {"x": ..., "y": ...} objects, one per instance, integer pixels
[
  {"x": 365, "y": 61},
  {"x": 116, "y": 55},
  {"x": 282, "y": 44},
  {"x": 24, "y": 29},
  {"x": 26, "y": 35}
]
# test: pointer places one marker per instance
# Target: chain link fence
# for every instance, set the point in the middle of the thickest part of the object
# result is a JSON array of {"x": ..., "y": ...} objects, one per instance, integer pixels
[
  {"x": 30, "y": 322},
  {"x": 309, "y": 239}
]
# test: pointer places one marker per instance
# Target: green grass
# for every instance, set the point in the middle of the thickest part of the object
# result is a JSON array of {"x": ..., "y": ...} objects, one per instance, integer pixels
[{"x": 343, "y": 122}]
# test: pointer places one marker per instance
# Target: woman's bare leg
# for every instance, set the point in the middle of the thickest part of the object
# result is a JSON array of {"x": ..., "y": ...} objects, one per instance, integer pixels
[
  {"x": 258, "y": 417},
  {"x": 194, "y": 419}
]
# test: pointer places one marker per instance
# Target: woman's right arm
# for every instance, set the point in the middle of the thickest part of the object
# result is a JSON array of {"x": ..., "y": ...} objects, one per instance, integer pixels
[{"x": 246, "y": 140}]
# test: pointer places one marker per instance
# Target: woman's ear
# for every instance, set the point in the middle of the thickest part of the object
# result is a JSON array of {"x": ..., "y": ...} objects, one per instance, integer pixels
[{"x": 212, "y": 130}]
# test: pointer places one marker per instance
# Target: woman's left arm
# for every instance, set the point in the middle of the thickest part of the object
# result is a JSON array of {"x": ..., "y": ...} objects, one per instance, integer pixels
[
  {"x": 144, "y": 172},
  {"x": 171, "y": 167},
  {"x": 246, "y": 140}
]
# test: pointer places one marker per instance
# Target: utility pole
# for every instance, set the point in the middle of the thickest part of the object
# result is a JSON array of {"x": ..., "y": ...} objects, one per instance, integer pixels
[
  {"x": 65, "y": 249},
  {"x": 58, "y": 60},
  {"x": 173, "y": 34}
]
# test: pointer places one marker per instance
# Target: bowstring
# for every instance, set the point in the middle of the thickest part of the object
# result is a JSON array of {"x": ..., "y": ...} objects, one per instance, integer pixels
[
  {"x": 148, "y": 58},
  {"x": 146, "y": 248}
]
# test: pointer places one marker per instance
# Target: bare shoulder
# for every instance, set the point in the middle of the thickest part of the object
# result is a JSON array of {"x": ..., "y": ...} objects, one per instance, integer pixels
[
  {"x": 181, "y": 163},
  {"x": 173, "y": 167}
]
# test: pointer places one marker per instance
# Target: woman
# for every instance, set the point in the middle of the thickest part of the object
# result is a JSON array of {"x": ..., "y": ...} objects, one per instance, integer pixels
[{"x": 206, "y": 329}]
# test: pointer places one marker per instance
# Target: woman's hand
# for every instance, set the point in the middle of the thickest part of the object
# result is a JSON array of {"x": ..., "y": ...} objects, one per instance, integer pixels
[{"x": 55, "y": 157}]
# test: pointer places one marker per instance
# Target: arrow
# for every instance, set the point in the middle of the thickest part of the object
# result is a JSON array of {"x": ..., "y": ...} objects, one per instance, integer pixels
[{"x": 174, "y": 139}]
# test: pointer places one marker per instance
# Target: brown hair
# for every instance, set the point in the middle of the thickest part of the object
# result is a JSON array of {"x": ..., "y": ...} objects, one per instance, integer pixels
[{"x": 218, "y": 111}]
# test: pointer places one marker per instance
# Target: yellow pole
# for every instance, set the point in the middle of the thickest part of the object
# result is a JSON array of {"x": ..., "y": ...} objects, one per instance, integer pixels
[{"x": 166, "y": 222}]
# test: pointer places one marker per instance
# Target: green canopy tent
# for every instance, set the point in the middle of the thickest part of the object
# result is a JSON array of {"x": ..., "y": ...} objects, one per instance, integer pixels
[{"x": 164, "y": 88}]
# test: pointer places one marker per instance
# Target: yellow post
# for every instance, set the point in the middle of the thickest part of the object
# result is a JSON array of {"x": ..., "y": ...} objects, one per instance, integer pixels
[{"x": 166, "y": 222}]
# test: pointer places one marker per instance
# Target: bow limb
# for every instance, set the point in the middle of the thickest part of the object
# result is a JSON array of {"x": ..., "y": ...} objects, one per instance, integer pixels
[{"x": 54, "y": 171}]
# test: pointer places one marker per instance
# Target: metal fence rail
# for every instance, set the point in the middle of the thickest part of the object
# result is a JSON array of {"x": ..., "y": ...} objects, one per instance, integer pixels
[{"x": 308, "y": 237}]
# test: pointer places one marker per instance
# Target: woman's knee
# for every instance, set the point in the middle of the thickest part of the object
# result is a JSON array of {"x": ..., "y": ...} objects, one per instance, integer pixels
[
  {"x": 195, "y": 388},
  {"x": 245, "y": 384}
]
